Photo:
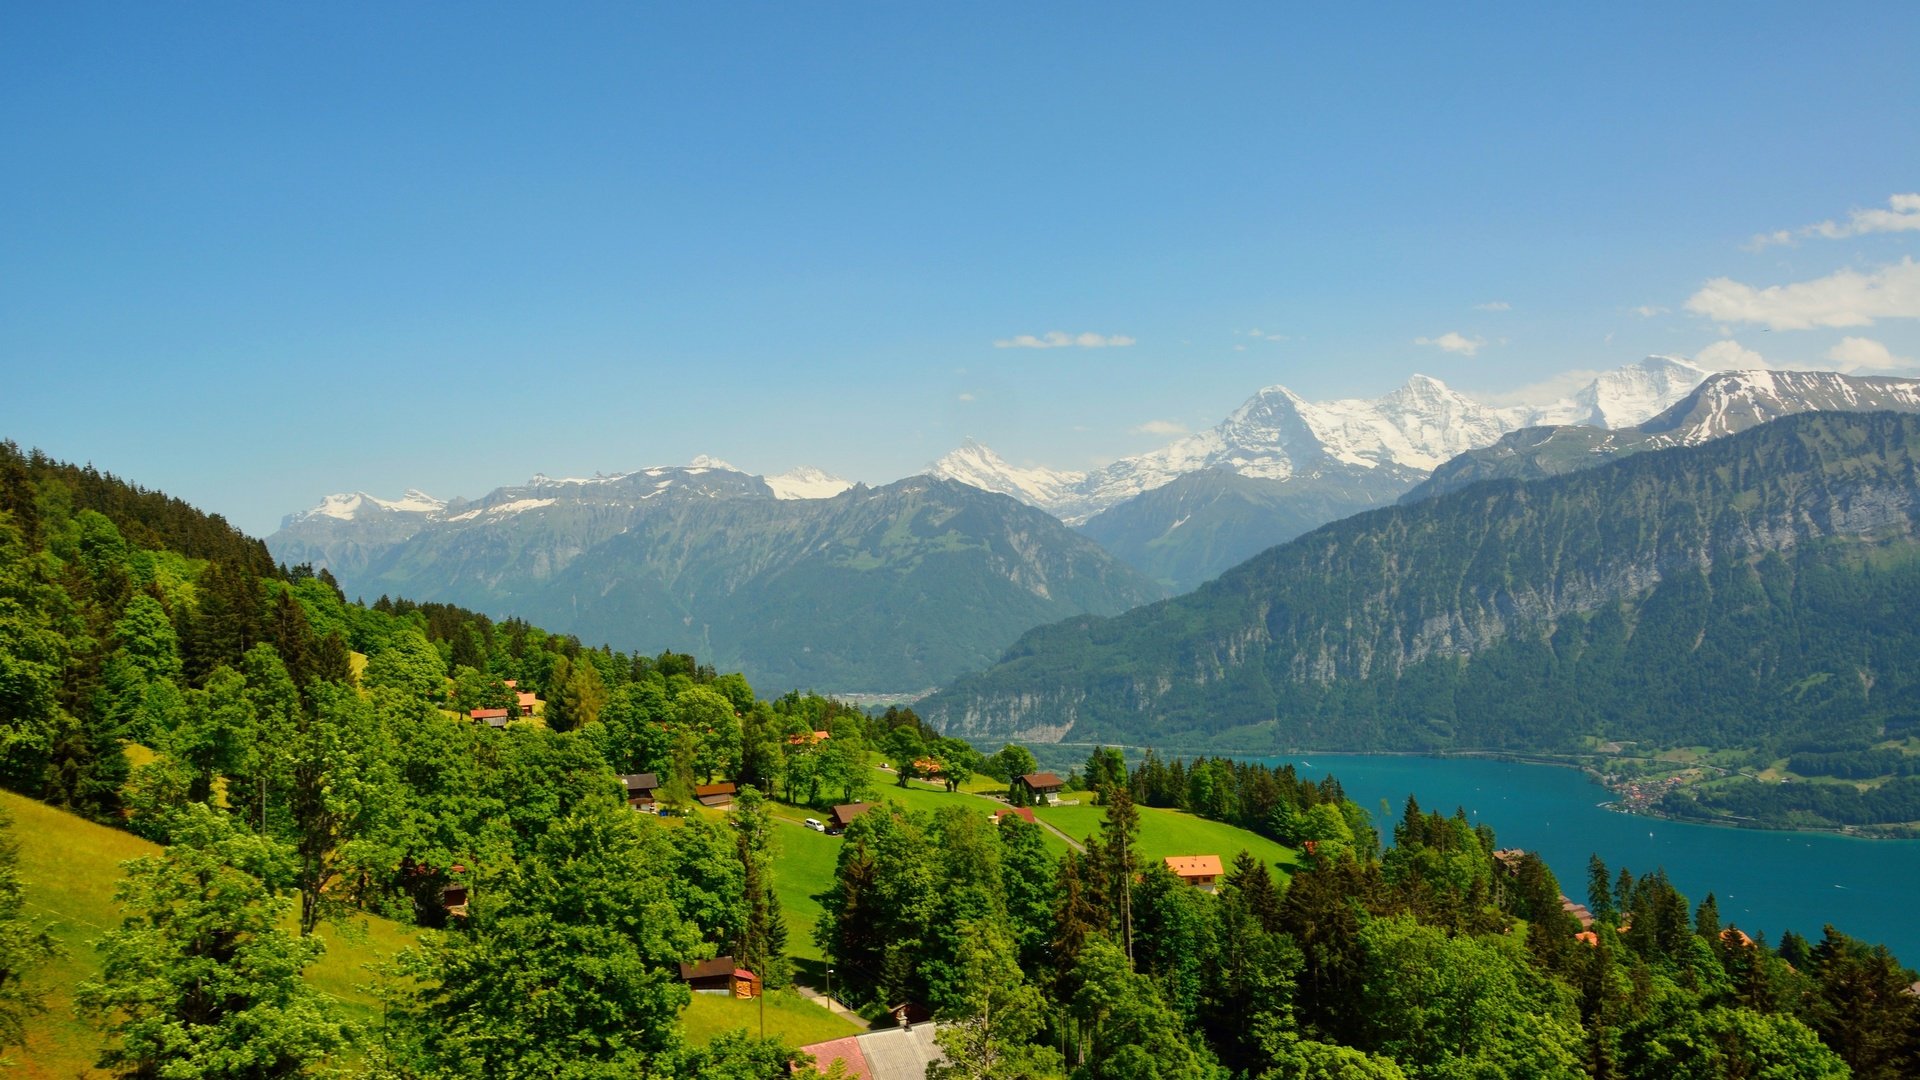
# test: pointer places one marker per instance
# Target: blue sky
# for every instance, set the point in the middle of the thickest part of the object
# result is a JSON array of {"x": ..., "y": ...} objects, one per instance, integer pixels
[{"x": 251, "y": 255}]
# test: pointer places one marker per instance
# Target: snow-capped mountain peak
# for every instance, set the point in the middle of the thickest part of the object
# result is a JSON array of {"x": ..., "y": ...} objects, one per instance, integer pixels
[
  {"x": 348, "y": 506},
  {"x": 806, "y": 482},
  {"x": 975, "y": 464}
]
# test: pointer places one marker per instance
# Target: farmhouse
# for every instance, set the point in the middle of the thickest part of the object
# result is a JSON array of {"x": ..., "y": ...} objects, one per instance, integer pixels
[
  {"x": 715, "y": 795},
  {"x": 640, "y": 788},
  {"x": 1199, "y": 871},
  {"x": 1041, "y": 786}
]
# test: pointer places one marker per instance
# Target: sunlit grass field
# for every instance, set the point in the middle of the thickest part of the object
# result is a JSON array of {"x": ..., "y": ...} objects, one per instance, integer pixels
[
  {"x": 70, "y": 867},
  {"x": 1173, "y": 832}
]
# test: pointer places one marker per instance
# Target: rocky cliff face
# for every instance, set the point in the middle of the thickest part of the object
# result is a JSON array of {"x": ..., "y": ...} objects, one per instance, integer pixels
[{"x": 1374, "y": 631}]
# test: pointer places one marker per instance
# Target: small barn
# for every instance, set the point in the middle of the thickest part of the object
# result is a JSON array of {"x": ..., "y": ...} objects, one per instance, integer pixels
[
  {"x": 720, "y": 975},
  {"x": 716, "y": 796},
  {"x": 844, "y": 814},
  {"x": 1199, "y": 871},
  {"x": 1041, "y": 787},
  {"x": 496, "y": 718}
]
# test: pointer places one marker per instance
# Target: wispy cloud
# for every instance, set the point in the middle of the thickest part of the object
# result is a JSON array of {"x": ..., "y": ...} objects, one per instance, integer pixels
[
  {"x": 1841, "y": 299},
  {"x": 1454, "y": 342},
  {"x": 1055, "y": 339},
  {"x": 1493, "y": 305},
  {"x": 1161, "y": 427},
  {"x": 965, "y": 399},
  {"x": 1264, "y": 336},
  {"x": 1648, "y": 311},
  {"x": 1866, "y": 354},
  {"x": 1901, "y": 214}
]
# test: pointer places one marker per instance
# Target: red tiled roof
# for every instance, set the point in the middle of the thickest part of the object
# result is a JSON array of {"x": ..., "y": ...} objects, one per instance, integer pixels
[
  {"x": 1190, "y": 866},
  {"x": 847, "y": 1050},
  {"x": 1025, "y": 813},
  {"x": 488, "y": 714}
]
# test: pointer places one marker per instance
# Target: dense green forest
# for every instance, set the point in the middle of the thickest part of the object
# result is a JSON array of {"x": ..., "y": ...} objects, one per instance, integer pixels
[
  {"x": 303, "y": 758},
  {"x": 1755, "y": 589}
]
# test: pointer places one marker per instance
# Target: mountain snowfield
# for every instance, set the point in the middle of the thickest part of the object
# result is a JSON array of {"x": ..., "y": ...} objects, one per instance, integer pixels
[{"x": 1278, "y": 435}]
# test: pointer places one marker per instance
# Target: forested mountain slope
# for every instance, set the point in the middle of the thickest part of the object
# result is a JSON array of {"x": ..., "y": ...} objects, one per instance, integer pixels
[{"x": 1714, "y": 594}]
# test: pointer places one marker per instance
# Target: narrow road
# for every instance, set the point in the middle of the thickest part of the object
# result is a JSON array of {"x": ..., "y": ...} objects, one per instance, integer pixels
[{"x": 837, "y": 1009}]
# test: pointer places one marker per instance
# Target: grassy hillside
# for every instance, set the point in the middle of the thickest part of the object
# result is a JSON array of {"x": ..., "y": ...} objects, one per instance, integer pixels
[
  {"x": 1173, "y": 832},
  {"x": 70, "y": 867}
]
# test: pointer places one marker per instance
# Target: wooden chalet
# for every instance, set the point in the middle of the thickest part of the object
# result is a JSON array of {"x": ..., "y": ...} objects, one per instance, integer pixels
[
  {"x": 640, "y": 788},
  {"x": 1041, "y": 786},
  {"x": 1024, "y": 813},
  {"x": 844, "y": 814},
  {"x": 720, "y": 975},
  {"x": 1199, "y": 871},
  {"x": 527, "y": 700},
  {"x": 716, "y": 796}
]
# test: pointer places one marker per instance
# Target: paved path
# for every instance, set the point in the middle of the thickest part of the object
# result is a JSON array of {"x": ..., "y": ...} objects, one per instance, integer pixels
[{"x": 834, "y": 1007}]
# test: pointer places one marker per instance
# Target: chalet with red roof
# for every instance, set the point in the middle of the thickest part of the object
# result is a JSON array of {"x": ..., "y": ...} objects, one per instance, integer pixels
[
  {"x": 1199, "y": 871},
  {"x": 1041, "y": 787}
]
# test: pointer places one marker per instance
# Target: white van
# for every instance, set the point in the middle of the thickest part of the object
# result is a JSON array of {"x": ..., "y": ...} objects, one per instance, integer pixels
[{"x": 814, "y": 824}]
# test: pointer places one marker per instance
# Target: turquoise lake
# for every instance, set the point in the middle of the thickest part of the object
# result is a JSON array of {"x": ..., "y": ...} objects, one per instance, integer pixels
[{"x": 1766, "y": 881}]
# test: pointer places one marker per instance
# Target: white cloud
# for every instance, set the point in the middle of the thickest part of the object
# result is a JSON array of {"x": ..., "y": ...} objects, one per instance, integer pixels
[
  {"x": 1901, "y": 214},
  {"x": 965, "y": 399},
  {"x": 1493, "y": 305},
  {"x": 1264, "y": 336},
  {"x": 1055, "y": 339},
  {"x": 1729, "y": 356},
  {"x": 1866, "y": 354},
  {"x": 1648, "y": 311},
  {"x": 1453, "y": 342},
  {"x": 1161, "y": 427},
  {"x": 1843, "y": 298}
]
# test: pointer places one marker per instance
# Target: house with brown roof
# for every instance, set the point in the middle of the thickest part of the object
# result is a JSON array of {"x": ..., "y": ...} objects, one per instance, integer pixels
[
  {"x": 844, "y": 814},
  {"x": 496, "y": 718},
  {"x": 640, "y": 788},
  {"x": 720, "y": 975},
  {"x": 1199, "y": 871},
  {"x": 1041, "y": 786},
  {"x": 526, "y": 700},
  {"x": 1578, "y": 911},
  {"x": 717, "y": 795}
]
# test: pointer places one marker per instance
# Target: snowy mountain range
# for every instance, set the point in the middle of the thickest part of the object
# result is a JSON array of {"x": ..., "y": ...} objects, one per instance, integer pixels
[
  {"x": 1278, "y": 435},
  {"x": 1727, "y": 403}
]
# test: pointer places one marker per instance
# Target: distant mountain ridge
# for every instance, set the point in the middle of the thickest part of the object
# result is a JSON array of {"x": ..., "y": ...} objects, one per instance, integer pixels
[
  {"x": 1280, "y": 465},
  {"x": 1726, "y": 403},
  {"x": 1278, "y": 435},
  {"x": 890, "y": 589},
  {"x": 1746, "y": 588}
]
